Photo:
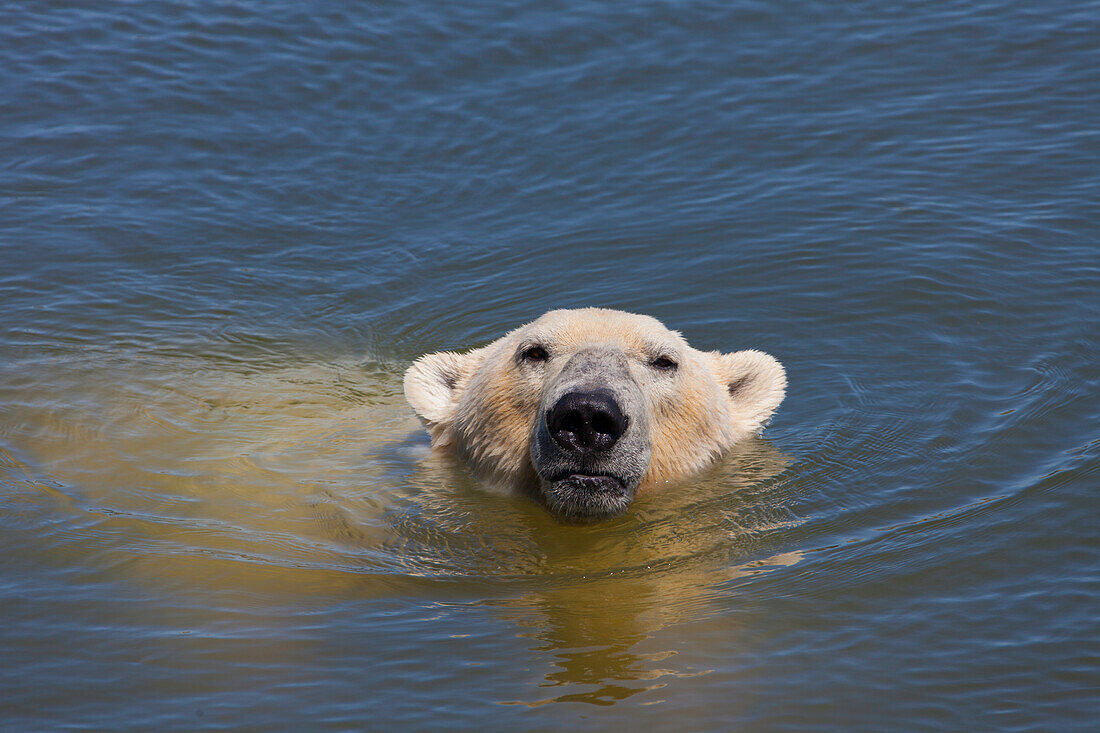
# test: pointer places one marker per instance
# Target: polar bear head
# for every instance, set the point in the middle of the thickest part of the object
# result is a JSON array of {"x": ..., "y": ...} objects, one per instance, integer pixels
[{"x": 587, "y": 407}]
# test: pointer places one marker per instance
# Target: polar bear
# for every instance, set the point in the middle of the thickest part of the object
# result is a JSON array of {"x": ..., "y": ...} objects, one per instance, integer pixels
[{"x": 585, "y": 408}]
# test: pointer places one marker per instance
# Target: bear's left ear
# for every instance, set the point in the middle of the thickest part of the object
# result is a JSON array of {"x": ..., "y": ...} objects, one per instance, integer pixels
[
  {"x": 434, "y": 383},
  {"x": 755, "y": 383}
]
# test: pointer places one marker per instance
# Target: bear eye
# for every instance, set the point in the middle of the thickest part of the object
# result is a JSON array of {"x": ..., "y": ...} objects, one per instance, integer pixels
[
  {"x": 664, "y": 363},
  {"x": 535, "y": 353}
]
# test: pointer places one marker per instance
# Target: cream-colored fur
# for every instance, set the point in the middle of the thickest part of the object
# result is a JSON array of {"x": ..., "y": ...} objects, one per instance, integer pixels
[{"x": 482, "y": 405}]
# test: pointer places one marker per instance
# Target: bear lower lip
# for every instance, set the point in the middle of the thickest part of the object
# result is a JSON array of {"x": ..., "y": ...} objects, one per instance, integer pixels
[
  {"x": 584, "y": 497},
  {"x": 593, "y": 482},
  {"x": 599, "y": 484}
]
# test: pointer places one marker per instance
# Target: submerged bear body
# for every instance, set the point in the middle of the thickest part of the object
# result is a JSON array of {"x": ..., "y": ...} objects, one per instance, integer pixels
[{"x": 587, "y": 407}]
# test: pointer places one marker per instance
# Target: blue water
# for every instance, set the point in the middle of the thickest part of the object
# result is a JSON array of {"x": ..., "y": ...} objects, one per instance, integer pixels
[{"x": 226, "y": 228}]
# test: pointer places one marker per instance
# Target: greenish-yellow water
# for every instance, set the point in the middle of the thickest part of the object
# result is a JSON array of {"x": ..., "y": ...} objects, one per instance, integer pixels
[{"x": 227, "y": 493}]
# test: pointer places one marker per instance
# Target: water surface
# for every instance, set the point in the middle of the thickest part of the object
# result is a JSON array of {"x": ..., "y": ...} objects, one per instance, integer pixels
[{"x": 227, "y": 228}]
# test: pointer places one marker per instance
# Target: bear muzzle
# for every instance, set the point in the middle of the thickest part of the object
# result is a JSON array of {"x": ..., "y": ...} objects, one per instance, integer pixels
[{"x": 588, "y": 452}]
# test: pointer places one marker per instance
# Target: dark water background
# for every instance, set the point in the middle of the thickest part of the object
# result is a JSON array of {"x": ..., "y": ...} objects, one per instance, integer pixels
[{"x": 226, "y": 228}]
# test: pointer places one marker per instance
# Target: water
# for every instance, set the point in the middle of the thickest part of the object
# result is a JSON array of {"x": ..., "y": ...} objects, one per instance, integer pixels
[{"x": 226, "y": 228}]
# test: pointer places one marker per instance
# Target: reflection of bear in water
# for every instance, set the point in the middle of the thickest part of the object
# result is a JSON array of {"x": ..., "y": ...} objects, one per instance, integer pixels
[
  {"x": 589, "y": 406},
  {"x": 594, "y": 602}
]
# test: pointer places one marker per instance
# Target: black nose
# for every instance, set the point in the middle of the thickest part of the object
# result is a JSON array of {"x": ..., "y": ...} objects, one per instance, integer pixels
[{"x": 586, "y": 421}]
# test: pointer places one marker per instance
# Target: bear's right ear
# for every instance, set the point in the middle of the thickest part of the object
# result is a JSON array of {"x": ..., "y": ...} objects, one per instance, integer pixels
[{"x": 434, "y": 382}]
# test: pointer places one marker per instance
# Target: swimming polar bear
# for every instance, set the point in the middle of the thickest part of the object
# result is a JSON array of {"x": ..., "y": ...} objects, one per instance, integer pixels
[{"x": 585, "y": 408}]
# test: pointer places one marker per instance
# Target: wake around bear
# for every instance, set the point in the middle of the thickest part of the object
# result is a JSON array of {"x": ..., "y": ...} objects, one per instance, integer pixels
[{"x": 585, "y": 408}]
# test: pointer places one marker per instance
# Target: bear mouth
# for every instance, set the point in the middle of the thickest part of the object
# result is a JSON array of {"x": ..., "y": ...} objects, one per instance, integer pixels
[
  {"x": 596, "y": 482},
  {"x": 587, "y": 497}
]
